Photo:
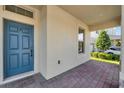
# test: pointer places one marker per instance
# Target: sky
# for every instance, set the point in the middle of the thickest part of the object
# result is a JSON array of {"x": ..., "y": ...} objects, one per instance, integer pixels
[
  {"x": 118, "y": 30},
  {"x": 113, "y": 31}
]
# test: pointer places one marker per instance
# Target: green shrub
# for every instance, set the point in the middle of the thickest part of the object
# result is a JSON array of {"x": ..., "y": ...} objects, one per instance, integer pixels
[
  {"x": 102, "y": 55},
  {"x": 91, "y": 54},
  {"x": 116, "y": 57},
  {"x": 109, "y": 56},
  {"x": 95, "y": 54}
]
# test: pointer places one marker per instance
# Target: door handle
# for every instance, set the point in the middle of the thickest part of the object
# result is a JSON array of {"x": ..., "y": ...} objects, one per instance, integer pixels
[{"x": 31, "y": 52}]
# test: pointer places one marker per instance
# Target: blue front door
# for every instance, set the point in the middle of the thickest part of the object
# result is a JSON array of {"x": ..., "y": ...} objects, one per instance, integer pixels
[{"x": 18, "y": 48}]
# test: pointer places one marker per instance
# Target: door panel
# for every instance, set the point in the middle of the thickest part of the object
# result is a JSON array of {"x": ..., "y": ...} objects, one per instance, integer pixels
[
  {"x": 13, "y": 61},
  {"x": 25, "y": 59},
  {"x": 18, "y": 48},
  {"x": 25, "y": 42},
  {"x": 13, "y": 41}
]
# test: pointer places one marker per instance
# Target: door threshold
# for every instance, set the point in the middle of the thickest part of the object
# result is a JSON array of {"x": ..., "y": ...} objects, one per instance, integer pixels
[{"x": 17, "y": 77}]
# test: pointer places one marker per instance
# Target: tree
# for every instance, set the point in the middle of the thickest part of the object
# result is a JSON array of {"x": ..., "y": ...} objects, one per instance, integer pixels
[
  {"x": 117, "y": 43},
  {"x": 103, "y": 41}
]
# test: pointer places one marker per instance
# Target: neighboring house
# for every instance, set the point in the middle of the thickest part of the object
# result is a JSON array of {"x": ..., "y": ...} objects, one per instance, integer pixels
[
  {"x": 114, "y": 34},
  {"x": 49, "y": 39}
]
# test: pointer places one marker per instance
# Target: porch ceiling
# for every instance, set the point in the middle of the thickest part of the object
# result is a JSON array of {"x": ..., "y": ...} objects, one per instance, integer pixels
[{"x": 96, "y": 16}]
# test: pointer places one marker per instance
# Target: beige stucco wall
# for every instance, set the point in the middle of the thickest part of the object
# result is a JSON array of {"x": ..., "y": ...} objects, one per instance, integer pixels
[
  {"x": 43, "y": 38},
  {"x": 37, "y": 28},
  {"x": 62, "y": 42}
]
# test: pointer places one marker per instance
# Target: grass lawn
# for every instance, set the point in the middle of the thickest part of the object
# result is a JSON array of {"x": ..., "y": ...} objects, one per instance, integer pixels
[{"x": 104, "y": 60}]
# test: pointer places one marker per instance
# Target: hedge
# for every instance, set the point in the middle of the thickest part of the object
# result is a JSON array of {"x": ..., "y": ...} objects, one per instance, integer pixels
[
  {"x": 94, "y": 54},
  {"x": 103, "y": 55}
]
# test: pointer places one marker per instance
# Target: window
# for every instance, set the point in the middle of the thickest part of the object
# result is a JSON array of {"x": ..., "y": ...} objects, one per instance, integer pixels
[
  {"x": 19, "y": 10},
  {"x": 81, "y": 41}
]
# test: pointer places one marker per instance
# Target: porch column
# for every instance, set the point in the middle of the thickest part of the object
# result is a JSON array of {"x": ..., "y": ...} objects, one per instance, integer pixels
[
  {"x": 1, "y": 45},
  {"x": 122, "y": 49}
]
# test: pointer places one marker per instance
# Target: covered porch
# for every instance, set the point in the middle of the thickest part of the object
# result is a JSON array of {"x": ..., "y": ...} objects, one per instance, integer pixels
[{"x": 56, "y": 49}]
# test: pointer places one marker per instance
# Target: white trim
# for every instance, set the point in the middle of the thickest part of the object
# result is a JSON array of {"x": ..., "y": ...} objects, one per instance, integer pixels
[{"x": 17, "y": 77}]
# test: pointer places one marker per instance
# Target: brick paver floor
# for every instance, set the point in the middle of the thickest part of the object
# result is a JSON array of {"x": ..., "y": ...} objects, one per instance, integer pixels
[{"x": 91, "y": 74}]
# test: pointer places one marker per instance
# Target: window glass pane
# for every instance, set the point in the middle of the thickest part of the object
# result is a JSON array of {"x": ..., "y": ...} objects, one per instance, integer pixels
[
  {"x": 81, "y": 41},
  {"x": 10, "y": 8},
  {"x": 19, "y": 10},
  {"x": 80, "y": 37},
  {"x": 29, "y": 14}
]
